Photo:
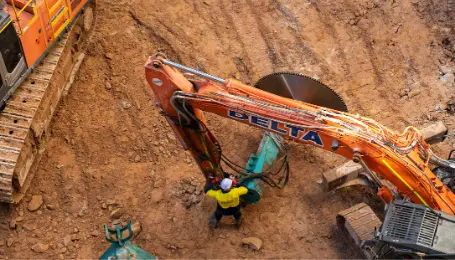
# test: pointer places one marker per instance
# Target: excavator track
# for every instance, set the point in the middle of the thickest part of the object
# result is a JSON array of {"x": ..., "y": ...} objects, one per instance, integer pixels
[{"x": 25, "y": 120}]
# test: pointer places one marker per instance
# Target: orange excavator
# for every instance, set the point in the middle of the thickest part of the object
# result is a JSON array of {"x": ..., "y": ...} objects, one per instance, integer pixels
[
  {"x": 35, "y": 63},
  {"x": 419, "y": 220},
  {"x": 28, "y": 30}
]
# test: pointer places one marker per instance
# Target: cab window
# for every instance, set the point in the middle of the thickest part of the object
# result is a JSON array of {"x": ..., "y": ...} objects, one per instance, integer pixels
[{"x": 10, "y": 48}]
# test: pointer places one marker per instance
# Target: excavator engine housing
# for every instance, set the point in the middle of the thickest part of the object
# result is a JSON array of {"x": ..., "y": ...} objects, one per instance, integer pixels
[{"x": 412, "y": 227}]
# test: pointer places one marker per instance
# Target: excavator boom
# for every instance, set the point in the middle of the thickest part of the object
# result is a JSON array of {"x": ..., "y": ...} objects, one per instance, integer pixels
[{"x": 398, "y": 162}]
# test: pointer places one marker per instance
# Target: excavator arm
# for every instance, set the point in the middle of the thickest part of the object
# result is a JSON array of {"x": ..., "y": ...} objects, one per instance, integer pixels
[{"x": 397, "y": 163}]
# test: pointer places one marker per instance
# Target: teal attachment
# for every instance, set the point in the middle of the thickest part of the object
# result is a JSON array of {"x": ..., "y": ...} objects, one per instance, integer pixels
[
  {"x": 121, "y": 248},
  {"x": 264, "y": 158}
]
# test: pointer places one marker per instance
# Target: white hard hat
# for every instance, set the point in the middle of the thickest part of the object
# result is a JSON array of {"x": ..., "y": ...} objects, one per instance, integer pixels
[{"x": 226, "y": 184}]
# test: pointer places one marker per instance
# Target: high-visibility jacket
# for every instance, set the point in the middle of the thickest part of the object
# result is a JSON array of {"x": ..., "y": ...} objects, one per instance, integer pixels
[{"x": 229, "y": 199}]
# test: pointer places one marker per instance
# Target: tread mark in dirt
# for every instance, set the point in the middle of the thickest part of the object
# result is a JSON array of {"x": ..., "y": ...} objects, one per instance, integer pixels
[
  {"x": 239, "y": 61},
  {"x": 244, "y": 54},
  {"x": 171, "y": 52},
  {"x": 333, "y": 33},
  {"x": 264, "y": 34},
  {"x": 378, "y": 80},
  {"x": 305, "y": 50},
  {"x": 287, "y": 13},
  {"x": 213, "y": 20}
]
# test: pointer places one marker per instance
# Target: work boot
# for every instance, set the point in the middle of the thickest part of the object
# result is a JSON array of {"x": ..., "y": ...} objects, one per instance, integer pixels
[
  {"x": 213, "y": 221},
  {"x": 238, "y": 222}
]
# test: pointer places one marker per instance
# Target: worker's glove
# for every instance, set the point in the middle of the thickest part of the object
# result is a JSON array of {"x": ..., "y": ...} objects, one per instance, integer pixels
[{"x": 234, "y": 181}]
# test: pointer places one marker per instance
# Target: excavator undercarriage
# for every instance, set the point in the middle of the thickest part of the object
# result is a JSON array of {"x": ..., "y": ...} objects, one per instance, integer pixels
[{"x": 34, "y": 76}]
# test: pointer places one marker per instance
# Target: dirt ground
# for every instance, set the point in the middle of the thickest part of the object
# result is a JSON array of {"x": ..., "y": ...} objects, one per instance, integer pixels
[{"x": 110, "y": 147}]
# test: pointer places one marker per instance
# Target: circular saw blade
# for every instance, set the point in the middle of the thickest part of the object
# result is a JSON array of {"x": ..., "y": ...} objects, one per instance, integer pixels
[{"x": 303, "y": 88}]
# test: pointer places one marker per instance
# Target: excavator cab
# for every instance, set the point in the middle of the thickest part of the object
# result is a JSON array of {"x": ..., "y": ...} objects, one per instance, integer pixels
[{"x": 12, "y": 60}]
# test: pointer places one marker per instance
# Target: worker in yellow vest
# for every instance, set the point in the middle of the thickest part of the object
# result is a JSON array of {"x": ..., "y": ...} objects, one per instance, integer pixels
[{"x": 228, "y": 201}]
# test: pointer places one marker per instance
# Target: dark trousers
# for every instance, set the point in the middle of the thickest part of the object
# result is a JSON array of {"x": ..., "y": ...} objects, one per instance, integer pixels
[{"x": 234, "y": 211}]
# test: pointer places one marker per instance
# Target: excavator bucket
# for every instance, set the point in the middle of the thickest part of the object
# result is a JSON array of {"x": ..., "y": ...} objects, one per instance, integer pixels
[{"x": 303, "y": 88}]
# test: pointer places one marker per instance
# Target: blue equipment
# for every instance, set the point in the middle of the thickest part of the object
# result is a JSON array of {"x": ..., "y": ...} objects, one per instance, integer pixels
[
  {"x": 121, "y": 248},
  {"x": 264, "y": 158}
]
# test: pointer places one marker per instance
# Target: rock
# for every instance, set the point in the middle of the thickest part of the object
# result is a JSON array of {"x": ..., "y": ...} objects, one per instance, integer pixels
[
  {"x": 50, "y": 207},
  {"x": 95, "y": 233},
  {"x": 40, "y": 247},
  {"x": 363, "y": 24},
  {"x": 67, "y": 240},
  {"x": 445, "y": 70},
  {"x": 109, "y": 55},
  {"x": 19, "y": 219},
  {"x": 104, "y": 205},
  {"x": 2, "y": 242},
  {"x": 137, "y": 228},
  {"x": 4, "y": 226},
  {"x": 9, "y": 242},
  {"x": 252, "y": 242},
  {"x": 137, "y": 158},
  {"x": 125, "y": 104},
  {"x": 438, "y": 107},
  {"x": 403, "y": 92},
  {"x": 76, "y": 237},
  {"x": 63, "y": 250},
  {"x": 190, "y": 189},
  {"x": 414, "y": 92},
  {"x": 108, "y": 85},
  {"x": 157, "y": 195},
  {"x": 88, "y": 19},
  {"x": 30, "y": 226},
  {"x": 12, "y": 224},
  {"x": 111, "y": 202},
  {"x": 448, "y": 79},
  {"x": 171, "y": 136},
  {"x": 98, "y": 198},
  {"x": 117, "y": 213},
  {"x": 75, "y": 230},
  {"x": 35, "y": 203}
]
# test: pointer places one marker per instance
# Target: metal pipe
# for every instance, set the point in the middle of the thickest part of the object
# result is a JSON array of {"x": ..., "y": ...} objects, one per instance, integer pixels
[
  {"x": 17, "y": 16},
  {"x": 196, "y": 72}
]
